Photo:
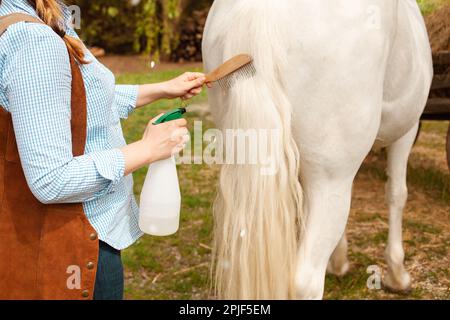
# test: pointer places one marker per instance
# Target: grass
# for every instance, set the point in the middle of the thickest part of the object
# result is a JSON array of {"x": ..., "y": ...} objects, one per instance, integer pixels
[
  {"x": 177, "y": 267},
  {"x": 423, "y": 171},
  {"x": 428, "y": 6}
]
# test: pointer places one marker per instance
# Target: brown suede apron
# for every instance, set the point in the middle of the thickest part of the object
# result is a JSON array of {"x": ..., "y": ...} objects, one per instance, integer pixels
[{"x": 46, "y": 251}]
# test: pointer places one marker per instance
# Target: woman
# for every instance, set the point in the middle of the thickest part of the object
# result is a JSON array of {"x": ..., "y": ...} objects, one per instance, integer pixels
[{"x": 40, "y": 94}]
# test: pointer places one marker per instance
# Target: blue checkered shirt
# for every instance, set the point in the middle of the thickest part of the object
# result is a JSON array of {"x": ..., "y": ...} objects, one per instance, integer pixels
[{"x": 35, "y": 87}]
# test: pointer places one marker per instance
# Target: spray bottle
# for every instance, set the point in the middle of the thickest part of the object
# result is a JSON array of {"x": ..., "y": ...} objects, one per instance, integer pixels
[{"x": 160, "y": 200}]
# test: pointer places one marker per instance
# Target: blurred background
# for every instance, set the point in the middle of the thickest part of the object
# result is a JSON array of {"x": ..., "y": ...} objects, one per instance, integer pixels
[
  {"x": 170, "y": 30},
  {"x": 127, "y": 35}
]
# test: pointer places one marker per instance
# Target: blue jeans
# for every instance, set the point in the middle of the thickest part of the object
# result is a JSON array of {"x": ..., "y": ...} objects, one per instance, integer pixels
[{"x": 109, "y": 282}]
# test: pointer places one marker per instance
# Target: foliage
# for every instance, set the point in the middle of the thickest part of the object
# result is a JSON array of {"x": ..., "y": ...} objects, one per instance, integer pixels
[{"x": 149, "y": 26}]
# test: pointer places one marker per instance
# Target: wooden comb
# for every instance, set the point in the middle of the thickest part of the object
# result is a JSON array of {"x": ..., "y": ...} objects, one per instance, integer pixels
[{"x": 238, "y": 67}]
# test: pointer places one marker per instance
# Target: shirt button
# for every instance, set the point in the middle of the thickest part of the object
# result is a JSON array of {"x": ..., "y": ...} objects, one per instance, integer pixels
[
  {"x": 90, "y": 265},
  {"x": 93, "y": 236},
  {"x": 85, "y": 294}
]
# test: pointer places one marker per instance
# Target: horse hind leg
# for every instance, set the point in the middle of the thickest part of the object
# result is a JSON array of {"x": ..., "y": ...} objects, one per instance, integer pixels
[
  {"x": 397, "y": 278},
  {"x": 339, "y": 264},
  {"x": 327, "y": 205}
]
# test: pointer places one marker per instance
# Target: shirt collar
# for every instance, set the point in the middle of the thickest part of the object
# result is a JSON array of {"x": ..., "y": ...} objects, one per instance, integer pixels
[{"x": 13, "y": 6}]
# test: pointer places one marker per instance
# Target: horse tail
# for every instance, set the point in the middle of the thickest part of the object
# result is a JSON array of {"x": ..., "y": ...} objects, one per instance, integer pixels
[{"x": 258, "y": 208}]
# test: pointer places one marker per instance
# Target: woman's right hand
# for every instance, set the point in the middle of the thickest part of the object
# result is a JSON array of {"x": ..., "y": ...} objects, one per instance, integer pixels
[
  {"x": 164, "y": 140},
  {"x": 159, "y": 142}
]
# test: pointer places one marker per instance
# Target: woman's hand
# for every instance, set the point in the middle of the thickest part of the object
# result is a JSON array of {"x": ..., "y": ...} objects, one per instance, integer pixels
[
  {"x": 186, "y": 86},
  {"x": 166, "y": 139},
  {"x": 159, "y": 142}
]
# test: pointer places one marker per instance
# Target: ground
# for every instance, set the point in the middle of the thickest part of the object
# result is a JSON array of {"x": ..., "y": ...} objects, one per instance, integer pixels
[{"x": 177, "y": 267}]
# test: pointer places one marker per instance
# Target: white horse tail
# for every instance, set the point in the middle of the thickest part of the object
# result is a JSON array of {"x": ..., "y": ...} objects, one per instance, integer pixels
[{"x": 258, "y": 209}]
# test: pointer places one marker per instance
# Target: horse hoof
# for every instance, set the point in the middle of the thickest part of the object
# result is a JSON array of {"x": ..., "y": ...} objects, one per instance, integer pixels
[{"x": 402, "y": 287}]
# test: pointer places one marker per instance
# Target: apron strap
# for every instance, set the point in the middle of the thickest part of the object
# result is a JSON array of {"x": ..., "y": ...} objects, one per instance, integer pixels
[
  {"x": 79, "y": 110},
  {"x": 79, "y": 104},
  {"x": 10, "y": 19}
]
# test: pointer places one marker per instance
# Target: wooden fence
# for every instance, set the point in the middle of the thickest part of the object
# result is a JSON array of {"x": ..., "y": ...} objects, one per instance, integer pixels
[{"x": 438, "y": 106}]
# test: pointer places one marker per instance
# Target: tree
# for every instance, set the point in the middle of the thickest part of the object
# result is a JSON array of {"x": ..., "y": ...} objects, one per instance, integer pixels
[{"x": 149, "y": 26}]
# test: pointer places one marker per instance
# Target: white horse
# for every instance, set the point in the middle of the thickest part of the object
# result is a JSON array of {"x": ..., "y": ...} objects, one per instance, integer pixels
[{"x": 336, "y": 77}]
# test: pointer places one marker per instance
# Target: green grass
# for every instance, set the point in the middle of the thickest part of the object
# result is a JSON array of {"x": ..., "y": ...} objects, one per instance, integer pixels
[
  {"x": 433, "y": 181},
  {"x": 428, "y": 6},
  {"x": 177, "y": 267},
  {"x": 135, "y": 125}
]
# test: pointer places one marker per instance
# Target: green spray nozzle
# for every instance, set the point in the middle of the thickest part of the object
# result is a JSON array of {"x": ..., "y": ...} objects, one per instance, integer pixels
[{"x": 171, "y": 115}]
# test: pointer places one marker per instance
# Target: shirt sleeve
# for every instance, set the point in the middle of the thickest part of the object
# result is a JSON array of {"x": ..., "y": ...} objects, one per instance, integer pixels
[
  {"x": 38, "y": 90},
  {"x": 125, "y": 99}
]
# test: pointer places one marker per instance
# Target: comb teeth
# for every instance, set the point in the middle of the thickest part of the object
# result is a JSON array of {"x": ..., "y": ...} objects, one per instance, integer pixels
[{"x": 246, "y": 72}]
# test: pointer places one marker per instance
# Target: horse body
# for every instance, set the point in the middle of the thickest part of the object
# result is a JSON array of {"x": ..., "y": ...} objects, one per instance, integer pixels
[{"x": 342, "y": 76}]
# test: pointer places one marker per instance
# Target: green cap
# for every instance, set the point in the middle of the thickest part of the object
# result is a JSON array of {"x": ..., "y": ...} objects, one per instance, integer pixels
[{"x": 171, "y": 115}]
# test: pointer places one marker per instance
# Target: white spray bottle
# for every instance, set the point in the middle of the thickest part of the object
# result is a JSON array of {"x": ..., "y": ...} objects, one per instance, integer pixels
[{"x": 160, "y": 201}]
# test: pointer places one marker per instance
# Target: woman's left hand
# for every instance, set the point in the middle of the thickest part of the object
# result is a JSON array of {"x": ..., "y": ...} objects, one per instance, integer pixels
[{"x": 186, "y": 86}]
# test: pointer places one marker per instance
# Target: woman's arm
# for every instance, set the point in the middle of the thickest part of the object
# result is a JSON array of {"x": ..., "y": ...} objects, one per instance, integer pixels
[
  {"x": 129, "y": 97},
  {"x": 38, "y": 89},
  {"x": 185, "y": 86}
]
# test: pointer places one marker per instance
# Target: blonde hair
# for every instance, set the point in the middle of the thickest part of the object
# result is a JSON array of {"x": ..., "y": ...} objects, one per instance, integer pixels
[
  {"x": 258, "y": 217},
  {"x": 50, "y": 12}
]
